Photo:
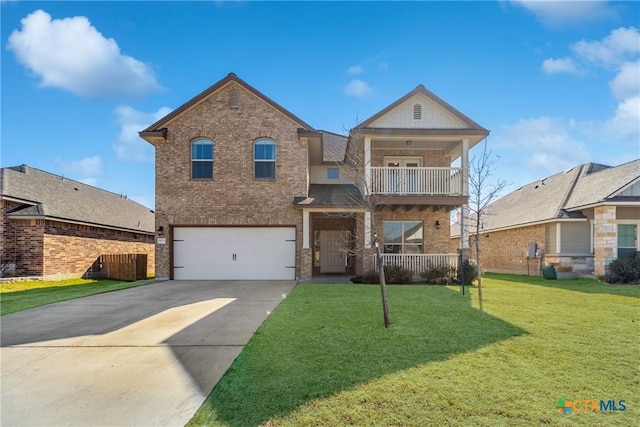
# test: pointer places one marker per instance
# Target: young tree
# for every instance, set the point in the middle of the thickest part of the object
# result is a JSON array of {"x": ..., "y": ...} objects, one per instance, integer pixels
[{"x": 483, "y": 190}]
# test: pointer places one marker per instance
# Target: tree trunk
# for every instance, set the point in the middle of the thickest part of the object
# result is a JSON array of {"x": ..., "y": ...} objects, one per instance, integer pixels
[{"x": 383, "y": 285}]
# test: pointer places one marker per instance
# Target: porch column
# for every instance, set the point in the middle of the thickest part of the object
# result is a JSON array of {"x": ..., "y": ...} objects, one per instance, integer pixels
[
  {"x": 367, "y": 230},
  {"x": 305, "y": 229},
  {"x": 465, "y": 167},
  {"x": 367, "y": 165},
  {"x": 605, "y": 238}
]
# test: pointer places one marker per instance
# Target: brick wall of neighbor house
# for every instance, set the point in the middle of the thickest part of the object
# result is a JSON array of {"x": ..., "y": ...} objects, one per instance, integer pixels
[
  {"x": 436, "y": 241},
  {"x": 233, "y": 196},
  {"x": 27, "y": 241},
  {"x": 7, "y": 233},
  {"x": 71, "y": 249},
  {"x": 506, "y": 251},
  {"x": 430, "y": 158}
]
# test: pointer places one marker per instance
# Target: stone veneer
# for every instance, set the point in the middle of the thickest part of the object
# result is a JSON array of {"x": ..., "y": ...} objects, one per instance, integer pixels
[{"x": 605, "y": 239}]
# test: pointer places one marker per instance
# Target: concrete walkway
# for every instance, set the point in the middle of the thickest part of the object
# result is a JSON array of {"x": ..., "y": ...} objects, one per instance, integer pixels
[{"x": 146, "y": 356}]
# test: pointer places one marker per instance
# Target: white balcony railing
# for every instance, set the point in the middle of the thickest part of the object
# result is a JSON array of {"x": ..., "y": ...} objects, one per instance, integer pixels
[
  {"x": 421, "y": 262},
  {"x": 416, "y": 181}
]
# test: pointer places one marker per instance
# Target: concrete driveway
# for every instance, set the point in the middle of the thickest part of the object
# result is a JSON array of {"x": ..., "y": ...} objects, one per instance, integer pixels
[{"x": 146, "y": 356}]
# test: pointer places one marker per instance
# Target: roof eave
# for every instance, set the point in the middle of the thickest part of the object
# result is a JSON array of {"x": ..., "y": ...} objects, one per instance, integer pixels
[{"x": 73, "y": 221}]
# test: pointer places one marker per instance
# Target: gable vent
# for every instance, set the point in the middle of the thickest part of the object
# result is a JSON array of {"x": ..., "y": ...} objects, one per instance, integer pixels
[
  {"x": 417, "y": 112},
  {"x": 234, "y": 98}
]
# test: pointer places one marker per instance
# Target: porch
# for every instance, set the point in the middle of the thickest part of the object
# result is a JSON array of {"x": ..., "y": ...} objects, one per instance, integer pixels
[{"x": 421, "y": 262}]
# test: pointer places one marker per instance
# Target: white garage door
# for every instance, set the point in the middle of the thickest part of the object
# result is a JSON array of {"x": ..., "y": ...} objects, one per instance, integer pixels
[{"x": 252, "y": 253}]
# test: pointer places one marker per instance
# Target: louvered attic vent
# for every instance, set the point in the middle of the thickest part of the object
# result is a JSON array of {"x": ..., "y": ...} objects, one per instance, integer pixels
[
  {"x": 417, "y": 112},
  {"x": 234, "y": 99}
]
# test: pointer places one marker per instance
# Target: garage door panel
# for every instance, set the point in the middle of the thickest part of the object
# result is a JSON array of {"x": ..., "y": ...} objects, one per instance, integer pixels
[{"x": 226, "y": 253}]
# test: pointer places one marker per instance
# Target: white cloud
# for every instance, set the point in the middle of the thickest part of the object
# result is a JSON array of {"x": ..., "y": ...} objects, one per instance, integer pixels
[
  {"x": 355, "y": 69},
  {"x": 73, "y": 55},
  {"x": 627, "y": 82},
  {"x": 625, "y": 124},
  {"x": 622, "y": 45},
  {"x": 562, "y": 65},
  {"x": 559, "y": 13},
  {"x": 86, "y": 170},
  {"x": 546, "y": 144},
  {"x": 358, "y": 88},
  {"x": 128, "y": 144}
]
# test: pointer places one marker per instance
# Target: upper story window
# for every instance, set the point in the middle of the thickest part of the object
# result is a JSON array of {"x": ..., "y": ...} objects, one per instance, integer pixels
[
  {"x": 417, "y": 112},
  {"x": 202, "y": 159},
  {"x": 333, "y": 174},
  {"x": 403, "y": 237},
  {"x": 264, "y": 158}
]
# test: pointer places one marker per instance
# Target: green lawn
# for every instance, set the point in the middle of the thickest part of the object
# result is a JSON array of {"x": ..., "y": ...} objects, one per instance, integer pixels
[
  {"x": 324, "y": 358},
  {"x": 18, "y": 296}
]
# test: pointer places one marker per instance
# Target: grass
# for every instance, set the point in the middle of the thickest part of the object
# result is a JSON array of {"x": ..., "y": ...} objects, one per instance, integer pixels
[
  {"x": 324, "y": 359},
  {"x": 18, "y": 296}
]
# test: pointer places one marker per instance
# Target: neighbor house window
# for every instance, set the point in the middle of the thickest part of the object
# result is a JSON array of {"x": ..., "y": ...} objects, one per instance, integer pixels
[
  {"x": 333, "y": 174},
  {"x": 202, "y": 159},
  {"x": 627, "y": 243},
  {"x": 403, "y": 237},
  {"x": 264, "y": 158}
]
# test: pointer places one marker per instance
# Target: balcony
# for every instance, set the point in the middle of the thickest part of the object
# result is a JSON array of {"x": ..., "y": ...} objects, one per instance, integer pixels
[{"x": 416, "y": 181}]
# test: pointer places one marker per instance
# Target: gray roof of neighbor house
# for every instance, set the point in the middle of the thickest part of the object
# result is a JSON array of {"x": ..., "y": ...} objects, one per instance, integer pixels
[
  {"x": 45, "y": 195},
  {"x": 334, "y": 147},
  {"x": 560, "y": 196}
]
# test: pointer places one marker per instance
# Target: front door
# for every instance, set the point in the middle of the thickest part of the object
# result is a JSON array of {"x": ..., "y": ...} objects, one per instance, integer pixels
[{"x": 332, "y": 253}]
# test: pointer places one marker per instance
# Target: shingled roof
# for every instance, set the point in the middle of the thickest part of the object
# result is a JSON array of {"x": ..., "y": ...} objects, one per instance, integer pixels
[
  {"x": 561, "y": 196},
  {"x": 48, "y": 196},
  {"x": 334, "y": 146}
]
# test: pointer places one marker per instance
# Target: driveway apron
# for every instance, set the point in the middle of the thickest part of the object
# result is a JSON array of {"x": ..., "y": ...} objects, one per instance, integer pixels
[{"x": 145, "y": 356}]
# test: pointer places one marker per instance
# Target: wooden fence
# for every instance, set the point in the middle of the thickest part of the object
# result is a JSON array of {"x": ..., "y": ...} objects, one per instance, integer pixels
[{"x": 128, "y": 267}]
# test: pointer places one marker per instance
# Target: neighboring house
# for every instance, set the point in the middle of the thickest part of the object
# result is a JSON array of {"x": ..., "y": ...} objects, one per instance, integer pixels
[
  {"x": 54, "y": 227},
  {"x": 247, "y": 190},
  {"x": 580, "y": 220}
]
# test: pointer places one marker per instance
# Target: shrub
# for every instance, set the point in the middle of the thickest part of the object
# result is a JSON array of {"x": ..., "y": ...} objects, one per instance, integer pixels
[
  {"x": 397, "y": 275},
  {"x": 438, "y": 275},
  {"x": 625, "y": 270},
  {"x": 469, "y": 272},
  {"x": 393, "y": 275}
]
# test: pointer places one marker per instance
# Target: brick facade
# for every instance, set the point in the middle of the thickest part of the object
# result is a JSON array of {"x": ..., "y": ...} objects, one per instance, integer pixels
[
  {"x": 52, "y": 249},
  {"x": 506, "y": 251},
  {"x": 233, "y": 196}
]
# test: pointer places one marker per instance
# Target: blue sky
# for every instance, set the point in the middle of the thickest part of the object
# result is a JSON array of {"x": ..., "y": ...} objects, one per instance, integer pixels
[{"x": 557, "y": 83}]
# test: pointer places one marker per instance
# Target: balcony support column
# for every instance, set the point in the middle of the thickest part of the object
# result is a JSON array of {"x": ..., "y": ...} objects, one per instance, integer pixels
[
  {"x": 464, "y": 214},
  {"x": 367, "y": 165}
]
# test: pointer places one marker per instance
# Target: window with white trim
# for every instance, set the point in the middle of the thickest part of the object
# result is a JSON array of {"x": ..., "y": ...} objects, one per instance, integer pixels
[
  {"x": 627, "y": 240},
  {"x": 333, "y": 174},
  {"x": 403, "y": 237},
  {"x": 264, "y": 159},
  {"x": 202, "y": 159}
]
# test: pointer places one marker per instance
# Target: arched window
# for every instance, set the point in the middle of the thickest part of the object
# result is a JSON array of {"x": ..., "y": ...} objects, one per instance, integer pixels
[
  {"x": 202, "y": 159},
  {"x": 264, "y": 158},
  {"x": 417, "y": 112}
]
